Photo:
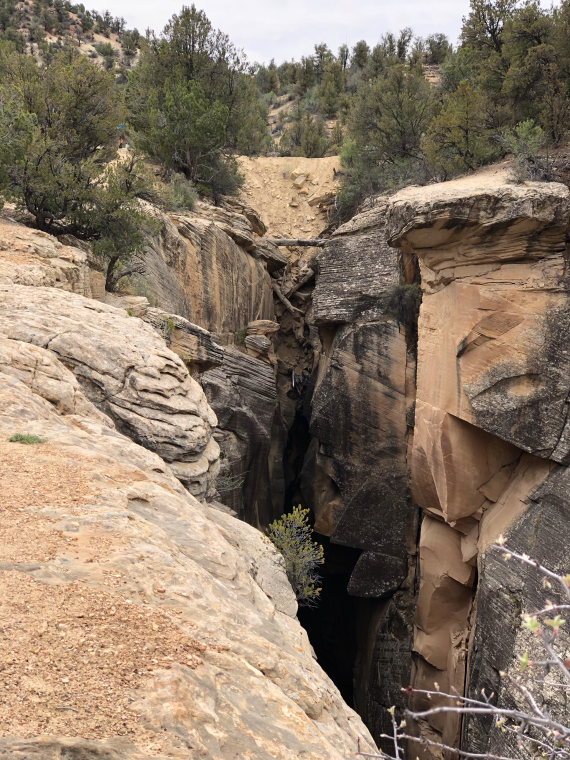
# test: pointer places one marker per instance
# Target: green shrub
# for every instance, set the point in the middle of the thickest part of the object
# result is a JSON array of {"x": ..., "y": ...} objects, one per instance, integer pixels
[
  {"x": 292, "y": 536},
  {"x": 26, "y": 438},
  {"x": 105, "y": 49},
  {"x": 240, "y": 336},
  {"x": 525, "y": 142},
  {"x": 179, "y": 194}
]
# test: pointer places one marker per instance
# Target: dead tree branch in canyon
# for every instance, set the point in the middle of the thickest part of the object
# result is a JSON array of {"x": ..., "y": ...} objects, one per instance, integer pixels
[
  {"x": 535, "y": 730},
  {"x": 291, "y": 242}
]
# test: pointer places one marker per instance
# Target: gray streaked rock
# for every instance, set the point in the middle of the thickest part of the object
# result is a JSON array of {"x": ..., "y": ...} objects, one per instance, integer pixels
[{"x": 357, "y": 271}]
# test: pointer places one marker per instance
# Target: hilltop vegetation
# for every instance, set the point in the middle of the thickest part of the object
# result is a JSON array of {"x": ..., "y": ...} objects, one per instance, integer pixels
[
  {"x": 506, "y": 87},
  {"x": 45, "y": 27},
  {"x": 405, "y": 110}
]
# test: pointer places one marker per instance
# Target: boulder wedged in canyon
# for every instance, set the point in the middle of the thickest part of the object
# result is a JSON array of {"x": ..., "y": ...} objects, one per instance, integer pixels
[
  {"x": 137, "y": 622},
  {"x": 358, "y": 271},
  {"x": 490, "y": 415},
  {"x": 124, "y": 368}
]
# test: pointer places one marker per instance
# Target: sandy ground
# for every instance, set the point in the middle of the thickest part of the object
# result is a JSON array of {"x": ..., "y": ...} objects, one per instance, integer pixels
[{"x": 285, "y": 208}]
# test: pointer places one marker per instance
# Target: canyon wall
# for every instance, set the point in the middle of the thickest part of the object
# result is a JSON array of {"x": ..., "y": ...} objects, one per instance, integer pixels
[
  {"x": 462, "y": 414},
  {"x": 137, "y": 621},
  {"x": 211, "y": 269},
  {"x": 266, "y": 377}
]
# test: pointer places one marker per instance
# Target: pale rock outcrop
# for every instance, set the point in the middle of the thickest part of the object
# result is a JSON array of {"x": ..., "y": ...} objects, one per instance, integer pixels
[
  {"x": 196, "y": 269},
  {"x": 194, "y": 345},
  {"x": 258, "y": 341},
  {"x": 125, "y": 369},
  {"x": 32, "y": 257},
  {"x": 138, "y": 623}
]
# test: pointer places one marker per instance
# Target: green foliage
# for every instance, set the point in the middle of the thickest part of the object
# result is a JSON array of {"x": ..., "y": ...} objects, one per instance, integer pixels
[
  {"x": 292, "y": 536},
  {"x": 178, "y": 195},
  {"x": 240, "y": 336},
  {"x": 193, "y": 102},
  {"x": 525, "y": 141},
  {"x": 484, "y": 26},
  {"x": 16, "y": 130},
  {"x": 306, "y": 136},
  {"x": 437, "y": 48},
  {"x": 458, "y": 139},
  {"x": 60, "y": 123},
  {"x": 112, "y": 218},
  {"x": 75, "y": 110},
  {"x": 26, "y": 438},
  {"x": 385, "y": 127},
  {"x": 184, "y": 130}
]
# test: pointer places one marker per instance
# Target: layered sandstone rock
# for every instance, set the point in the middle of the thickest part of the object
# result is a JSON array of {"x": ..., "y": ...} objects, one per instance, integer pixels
[
  {"x": 125, "y": 369},
  {"x": 242, "y": 392},
  {"x": 137, "y": 623},
  {"x": 355, "y": 472},
  {"x": 358, "y": 271},
  {"x": 195, "y": 268},
  {"x": 495, "y": 314},
  {"x": 31, "y": 257},
  {"x": 490, "y": 415}
]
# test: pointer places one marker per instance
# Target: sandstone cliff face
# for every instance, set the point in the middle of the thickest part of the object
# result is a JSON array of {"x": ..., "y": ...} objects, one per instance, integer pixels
[
  {"x": 356, "y": 468},
  {"x": 31, "y": 257},
  {"x": 137, "y": 622},
  {"x": 467, "y": 434},
  {"x": 490, "y": 414},
  {"x": 205, "y": 267},
  {"x": 212, "y": 268}
]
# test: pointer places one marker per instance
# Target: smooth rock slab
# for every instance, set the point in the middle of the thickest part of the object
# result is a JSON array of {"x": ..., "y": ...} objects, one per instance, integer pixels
[{"x": 153, "y": 626}]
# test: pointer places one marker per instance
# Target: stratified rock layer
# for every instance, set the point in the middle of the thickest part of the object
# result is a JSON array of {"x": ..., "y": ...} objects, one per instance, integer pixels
[
  {"x": 138, "y": 623},
  {"x": 200, "y": 268},
  {"x": 124, "y": 368}
]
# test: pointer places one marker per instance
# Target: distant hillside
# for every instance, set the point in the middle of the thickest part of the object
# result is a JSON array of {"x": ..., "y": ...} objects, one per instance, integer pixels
[{"x": 42, "y": 27}]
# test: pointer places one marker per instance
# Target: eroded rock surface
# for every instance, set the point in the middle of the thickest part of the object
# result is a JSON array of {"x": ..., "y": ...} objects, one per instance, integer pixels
[
  {"x": 32, "y": 257},
  {"x": 140, "y": 623},
  {"x": 242, "y": 391},
  {"x": 355, "y": 471},
  {"x": 204, "y": 267},
  {"x": 490, "y": 413},
  {"x": 124, "y": 368},
  {"x": 495, "y": 313}
]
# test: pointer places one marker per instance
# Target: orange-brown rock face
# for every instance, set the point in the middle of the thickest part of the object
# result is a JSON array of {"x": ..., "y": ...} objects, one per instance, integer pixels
[
  {"x": 494, "y": 309},
  {"x": 493, "y": 380}
]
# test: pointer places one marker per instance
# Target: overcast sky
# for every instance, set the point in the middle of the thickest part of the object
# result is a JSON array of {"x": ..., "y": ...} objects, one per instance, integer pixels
[{"x": 284, "y": 29}]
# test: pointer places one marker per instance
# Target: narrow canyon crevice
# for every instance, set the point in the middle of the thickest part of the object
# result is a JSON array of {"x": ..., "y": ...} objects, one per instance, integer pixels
[{"x": 415, "y": 413}]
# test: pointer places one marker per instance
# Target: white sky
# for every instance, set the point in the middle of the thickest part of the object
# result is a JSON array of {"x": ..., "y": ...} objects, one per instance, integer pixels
[{"x": 285, "y": 29}]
